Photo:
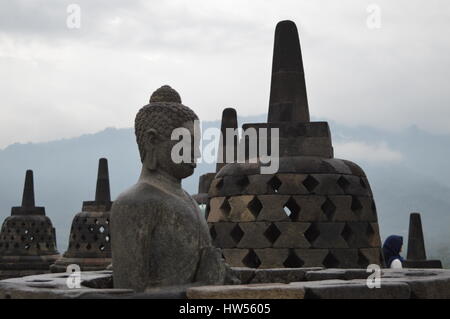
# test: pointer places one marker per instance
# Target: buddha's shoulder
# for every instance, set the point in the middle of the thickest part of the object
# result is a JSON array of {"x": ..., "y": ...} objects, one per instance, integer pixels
[{"x": 142, "y": 194}]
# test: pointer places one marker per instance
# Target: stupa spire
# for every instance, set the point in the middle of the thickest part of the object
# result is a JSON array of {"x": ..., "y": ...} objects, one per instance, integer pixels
[
  {"x": 288, "y": 100},
  {"x": 416, "y": 243},
  {"x": 102, "y": 193},
  {"x": 28, "y": 190},
  {"x": 229, "y": 120}
]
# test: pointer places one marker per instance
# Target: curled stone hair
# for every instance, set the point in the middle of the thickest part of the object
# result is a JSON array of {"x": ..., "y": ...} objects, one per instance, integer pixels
[{"x": 164, "y": 114}]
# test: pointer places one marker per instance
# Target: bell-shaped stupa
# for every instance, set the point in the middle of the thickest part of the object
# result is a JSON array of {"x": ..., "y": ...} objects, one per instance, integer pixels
[
  {"x": 90, "y": 242},
  {"x": 316, "y": 210},
  {"x": 27, "y": 238}
]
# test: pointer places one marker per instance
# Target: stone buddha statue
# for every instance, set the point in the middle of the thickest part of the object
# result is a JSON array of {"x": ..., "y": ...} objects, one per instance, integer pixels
[{"x": 159, "y": 236}]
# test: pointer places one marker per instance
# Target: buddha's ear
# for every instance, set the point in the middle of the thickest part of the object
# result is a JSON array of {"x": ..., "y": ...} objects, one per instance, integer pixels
[
  {"x": 152, "y": 136},
  {"x": 151, "y": 140}
]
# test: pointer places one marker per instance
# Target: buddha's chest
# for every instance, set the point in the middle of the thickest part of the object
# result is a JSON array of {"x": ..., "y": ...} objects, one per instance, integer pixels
[{"x": 184, "y": 224}]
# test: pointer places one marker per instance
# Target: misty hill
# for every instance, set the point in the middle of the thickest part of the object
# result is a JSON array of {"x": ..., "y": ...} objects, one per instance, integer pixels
[{"x": 413, "y": 176}]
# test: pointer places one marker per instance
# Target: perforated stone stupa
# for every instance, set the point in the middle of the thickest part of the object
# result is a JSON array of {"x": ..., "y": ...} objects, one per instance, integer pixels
[
  {"x": 27, "y": 238},
  {"x": 229, "y": 120},
  {"x": 89, "y": 243},
  {"x": 316, "y": 210}
]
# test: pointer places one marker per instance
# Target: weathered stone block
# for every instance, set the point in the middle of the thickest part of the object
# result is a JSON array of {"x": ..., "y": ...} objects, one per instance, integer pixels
[
  {"x": 312, "y": 257},
  {"x": 368, "y": 256},
  {"x": 259, "y": 184},
  {"x": 244, "y": 274},
  {"x": 272, "y": 257},
  {"x": 424, "y": 283},
  {"x": 342, "y": 209},
  {"x": 374, "y": 235},
  {"x": 291, "y": 235},
  {"x": 353, "y": 289},
  {"x": 329, "y": 235},
  {"x": 367, "y": 211},
  {"x": 221, "y": 234},
  {"x": 253, "y": 291},
  {"x": 356, "y": 234},
  {"x": 346, "y": 258},
  {"x": 281, "y": 275},
  {"x": 234, "y": 257},
  {"x": 291, "y": 184},
  {"x": 310, "y": 208},
  {"x": 253, "y": 235},
  {"x": 272, "y": 208},
  {"x": 328, "y": 184},
  {"x": 241, "y": 209},
  {"x": 219, "y": 210}
]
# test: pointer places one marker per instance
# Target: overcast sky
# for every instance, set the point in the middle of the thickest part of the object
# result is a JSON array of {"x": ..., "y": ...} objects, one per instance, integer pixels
[{"x": 57, "y": 82}]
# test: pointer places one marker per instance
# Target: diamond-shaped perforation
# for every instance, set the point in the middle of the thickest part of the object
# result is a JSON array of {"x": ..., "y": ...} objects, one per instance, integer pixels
[
  {"x": 328, "y": 208},
  {"x": 343, "y": 183},
  {"x": 356, "y": 206},
  {"x": 243, "y": 182},
  {"x": 292, "y": 209},
  {"x": 212, "y": 232},
  {"x": 312, "y": 233},
  {"x": 272, "y": 233},
  {"x": 346, "y": 233},
  {"x": 310, "y": 183},
  {"x": 370, "y": 232},
  {"x": 255, "y": 206},
  {"x": 330, "y": 261},
  {"x": 251, "y": 259},
  {"x": 362, "y": 260},
  {"x": 274, "y": 184},
  {"x": 237, "y": 233},
  {"x": 219, "y": 184},
  {"x": 225, "y": 208},
  {"x": 362, "y": 183},
  {"x": 293, "y": 261}
]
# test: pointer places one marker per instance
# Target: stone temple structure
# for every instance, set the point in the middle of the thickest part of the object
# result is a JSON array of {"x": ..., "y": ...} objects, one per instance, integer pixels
[
  {"x": 27, "y": 238},
  {"x": 90, "y": 242},
  {"x": 316, "y": 210},
  {"x": 229, "y": 120},
  {"x": 416, "y": 255}
]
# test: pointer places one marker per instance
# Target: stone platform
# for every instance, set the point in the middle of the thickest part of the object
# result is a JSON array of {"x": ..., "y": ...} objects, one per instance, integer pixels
[{"x": 283, "y": 283}]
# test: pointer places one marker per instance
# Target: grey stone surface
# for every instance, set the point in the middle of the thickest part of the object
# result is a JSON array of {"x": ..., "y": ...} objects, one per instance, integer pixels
[
  {"x": 54, "y": 286},
  {"x": 298, "y": 283},
  {"x": 282, "y": 275},
  {"x": 353, "y": 289},
  {"x": 424, "y": 283},
  {"x": 251, "y": 291},
  {"x": 159, "y": 235}
]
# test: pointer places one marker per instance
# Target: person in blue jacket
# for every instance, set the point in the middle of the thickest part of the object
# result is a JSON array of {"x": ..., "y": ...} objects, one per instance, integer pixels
[{"x": 391, "y": 250}]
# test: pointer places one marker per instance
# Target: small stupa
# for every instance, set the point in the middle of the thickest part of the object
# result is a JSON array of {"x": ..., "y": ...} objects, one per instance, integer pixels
[
  {"x": 416, "y": 255},
  {"x": 90, "y": 242},
  {"x": 27, "y": 238}
]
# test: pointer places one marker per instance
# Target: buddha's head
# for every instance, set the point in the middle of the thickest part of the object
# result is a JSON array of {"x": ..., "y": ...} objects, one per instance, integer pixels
[{"x": 154, "y": 125}]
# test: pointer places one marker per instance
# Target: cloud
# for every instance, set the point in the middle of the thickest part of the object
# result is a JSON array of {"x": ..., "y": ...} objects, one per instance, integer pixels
[
  {"x": 369, "y": 153},
  {"x": 56, "y": 82}
]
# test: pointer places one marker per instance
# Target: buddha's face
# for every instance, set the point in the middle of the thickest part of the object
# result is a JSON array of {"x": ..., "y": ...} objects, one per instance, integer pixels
[{"x": 166, "y": 163}]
